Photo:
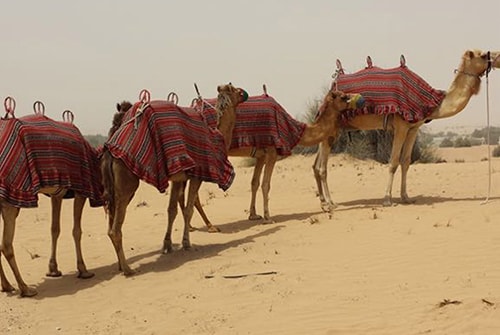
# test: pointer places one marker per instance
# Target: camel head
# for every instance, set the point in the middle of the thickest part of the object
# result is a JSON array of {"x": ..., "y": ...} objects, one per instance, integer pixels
[
  {"x": 121, "y": 108},
  {"x": 229, "y": 96},
  {"x": 234, "y": 94},
  {"x": 336, "y": 101},
  {"x": 478, "y": 63},
  {"x": 227, "y": 100}
]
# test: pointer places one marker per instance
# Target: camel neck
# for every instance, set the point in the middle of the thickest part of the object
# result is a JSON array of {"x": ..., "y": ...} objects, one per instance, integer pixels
[
  {"x": 316, "y": 132},
  {"x": 226, "y": 124},
  {"x": 463, "y": 87}
]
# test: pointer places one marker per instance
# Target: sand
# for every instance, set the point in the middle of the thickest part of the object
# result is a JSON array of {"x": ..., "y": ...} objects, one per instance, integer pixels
[{"x": 432, "y": 267}]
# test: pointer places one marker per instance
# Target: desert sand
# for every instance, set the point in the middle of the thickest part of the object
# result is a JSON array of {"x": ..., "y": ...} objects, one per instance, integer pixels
[{"x": 432, "y": 267}]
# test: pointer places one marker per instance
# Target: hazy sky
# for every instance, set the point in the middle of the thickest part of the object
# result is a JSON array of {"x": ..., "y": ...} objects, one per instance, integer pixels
[{"x": 87, "y": 55}]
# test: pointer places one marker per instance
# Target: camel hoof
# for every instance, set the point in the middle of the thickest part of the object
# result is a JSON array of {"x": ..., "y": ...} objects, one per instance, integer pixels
[
  {"x": 268, "y": 221},
  {"x": 328, "y": 207},
  {"x": 408, "y": 201},
  {"x": 54, "y": 273},
  {"x": 213, "y": 229},
  {"x": 29, "y": 292},
  {"x": 85, "y": 275},
  {"x": 254, "y": 217},
  {"x": 8, "y": 288},
  {"x": 129, "y": 272},
  {"x": 167, "y": 248},
  {"x": 191, "y": 228},
  {"x": 186, "y": 247}
]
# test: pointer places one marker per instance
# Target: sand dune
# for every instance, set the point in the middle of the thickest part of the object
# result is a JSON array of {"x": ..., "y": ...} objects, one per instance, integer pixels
[{"x": 427, "y": 268}]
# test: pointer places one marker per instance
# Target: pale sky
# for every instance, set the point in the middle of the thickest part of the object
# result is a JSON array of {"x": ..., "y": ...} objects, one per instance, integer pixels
[{"x": 87, "y": 55}]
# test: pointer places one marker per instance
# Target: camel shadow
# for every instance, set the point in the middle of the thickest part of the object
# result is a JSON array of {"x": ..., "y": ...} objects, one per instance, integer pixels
[
  {"x": 418, "y": 201},
  {"x": 69, "y": 284},
  {"x": 244, "y": 224},
  {"x": 180, "y": 257}
]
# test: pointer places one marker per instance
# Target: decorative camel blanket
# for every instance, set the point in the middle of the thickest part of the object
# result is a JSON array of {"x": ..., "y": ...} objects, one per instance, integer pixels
[
  {"x": 261, "y": 122},
  {"x": 165, "y": 139},
  {"x": 397, "y": 90},
  {"x": 37, "y": 152}
]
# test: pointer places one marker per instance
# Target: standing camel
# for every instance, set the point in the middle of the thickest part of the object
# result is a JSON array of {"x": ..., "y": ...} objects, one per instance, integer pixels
[
  {"x": 158, "y": 141},
  {"x": 40, "y": 155},
  {"x": 264, "y": 130},
  {"x": 403, "y": 121}
]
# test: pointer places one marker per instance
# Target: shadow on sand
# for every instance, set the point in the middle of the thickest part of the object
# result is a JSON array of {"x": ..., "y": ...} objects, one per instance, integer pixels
[
  {"x": 69, "y": 284},
  {"x": 418, "y": 201},
  {"x": 237, "y": 226}
]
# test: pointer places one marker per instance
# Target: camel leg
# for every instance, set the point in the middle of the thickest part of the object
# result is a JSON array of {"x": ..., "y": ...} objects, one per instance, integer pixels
[
  {"x": 115, "y": 234},
  {"x": 125, "y": 184},
  {"x": 78, "y": 205},
  {"x": 197, "y": 204},
  {"x": 257, "y": 170},
  {"x": 194, "y": 186},
  {"x": 320, "y": 169},
  {"x": 55, "y": 231},
  {"x": 6, "y": 286},
  {"x": 211, "y": 228},
  {"x": 405, "y": 163},
  {"x": 175, "y": 194},
  {"x": 9, "y": 215},
  {"x": 397, "y": 145},
  {"x": 271, "y": 159}
]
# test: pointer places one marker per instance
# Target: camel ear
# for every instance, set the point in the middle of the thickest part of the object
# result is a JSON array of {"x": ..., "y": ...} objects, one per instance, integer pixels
[
  {"x": 469, "y": 54},
  {"x": 118, "y": 106}
]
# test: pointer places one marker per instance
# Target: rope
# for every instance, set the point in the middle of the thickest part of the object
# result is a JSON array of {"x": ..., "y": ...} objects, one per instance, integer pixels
[{"x": 488, "y": 138}]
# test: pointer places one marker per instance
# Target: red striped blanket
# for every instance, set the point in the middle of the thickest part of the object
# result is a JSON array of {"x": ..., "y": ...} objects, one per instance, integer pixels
[
  {"x": 37, "y": 152},
  {"x": 397, "y": 90},
  {"x": 261, "y": 122},
  {"x": 166, "y": 139}
]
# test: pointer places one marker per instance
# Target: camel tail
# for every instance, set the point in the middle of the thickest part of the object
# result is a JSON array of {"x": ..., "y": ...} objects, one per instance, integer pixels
[{"x": 108, "y": 182}]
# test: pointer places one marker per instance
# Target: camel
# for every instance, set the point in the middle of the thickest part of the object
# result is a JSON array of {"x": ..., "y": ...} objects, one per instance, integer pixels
[
  {"x": 121, "y": 180},
  {"x": 34, "y": 138},
  {"x": 266, "y": 157},
  {"x": 474, "y": 65}
]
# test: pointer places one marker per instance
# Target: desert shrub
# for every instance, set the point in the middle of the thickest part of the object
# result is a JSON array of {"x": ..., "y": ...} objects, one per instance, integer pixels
[
  {"x": 377, "y": 145},
  {"x": 483, "y": 133},
  {"x": 462, "y": 142},
  {"x": 446, "y": 143},
  {"x": 95, "y": 140},
  {"x": 247, "y": 162},
  {"x": 424, "y": 149},
  {"x": 309, "y": 117},
  {"x": 496, "y": 151}
]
